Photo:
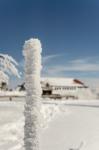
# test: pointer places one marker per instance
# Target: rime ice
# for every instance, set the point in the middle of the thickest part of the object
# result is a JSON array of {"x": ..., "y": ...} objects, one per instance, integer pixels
[
  {"x": 32, "y": 53},
  {"x": 7, "y": 67},
  {"x": 3, "y": 77}
]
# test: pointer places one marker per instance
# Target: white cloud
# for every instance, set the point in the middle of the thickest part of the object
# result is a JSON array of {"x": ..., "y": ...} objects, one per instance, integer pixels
[
  {"x": 89, "y": 64},
  {"x": 49, "y": 58},
  {"x": 79, "y": 65}
]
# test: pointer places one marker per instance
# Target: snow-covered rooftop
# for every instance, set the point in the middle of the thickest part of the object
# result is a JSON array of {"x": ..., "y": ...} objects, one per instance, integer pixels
[{"x": 61, "y": 81}]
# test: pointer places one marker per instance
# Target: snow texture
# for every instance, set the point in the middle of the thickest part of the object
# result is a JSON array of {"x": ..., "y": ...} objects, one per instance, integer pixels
[
  {"x": 65, "y": 125},
  {"x": 50, "y": 111},
  {"x": 7, "y": 67},
  {"x": 32, "y": 53}
]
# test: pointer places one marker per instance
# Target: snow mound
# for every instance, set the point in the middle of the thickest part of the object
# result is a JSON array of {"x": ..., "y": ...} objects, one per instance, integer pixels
[
  {"x": 49, "y": 111},
  {"x": 92, "y": 144},
  {"x": 12, "y": 136}
]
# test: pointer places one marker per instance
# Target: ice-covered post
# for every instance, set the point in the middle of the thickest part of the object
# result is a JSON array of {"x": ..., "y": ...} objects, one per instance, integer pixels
[{"x": 32, "y": 53}]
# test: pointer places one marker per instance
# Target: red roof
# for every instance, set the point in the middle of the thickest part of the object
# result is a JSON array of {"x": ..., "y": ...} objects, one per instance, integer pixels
[{"x": 78, "y": 82}]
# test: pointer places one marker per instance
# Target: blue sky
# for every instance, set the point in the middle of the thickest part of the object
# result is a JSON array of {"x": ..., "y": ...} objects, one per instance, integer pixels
[{"x": 68, "y": 30}]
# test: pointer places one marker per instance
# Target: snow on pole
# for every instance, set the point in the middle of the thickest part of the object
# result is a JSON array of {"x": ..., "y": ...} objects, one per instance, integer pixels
[{"x": 32, "y": 53}]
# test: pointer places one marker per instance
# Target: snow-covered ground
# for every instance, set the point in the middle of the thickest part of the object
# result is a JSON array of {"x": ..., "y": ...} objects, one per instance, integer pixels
[{"x": 64, "y": 125}]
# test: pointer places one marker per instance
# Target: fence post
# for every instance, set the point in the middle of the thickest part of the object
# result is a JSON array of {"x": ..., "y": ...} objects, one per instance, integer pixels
[{"x": 32, "y": 52}]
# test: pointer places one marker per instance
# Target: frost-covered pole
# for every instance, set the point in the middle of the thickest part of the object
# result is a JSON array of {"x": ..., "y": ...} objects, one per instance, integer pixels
[{"x": 32, "y": 53}]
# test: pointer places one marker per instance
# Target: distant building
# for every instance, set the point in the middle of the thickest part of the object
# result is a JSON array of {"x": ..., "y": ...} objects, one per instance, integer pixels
[{"x": 67, "y": 88}]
